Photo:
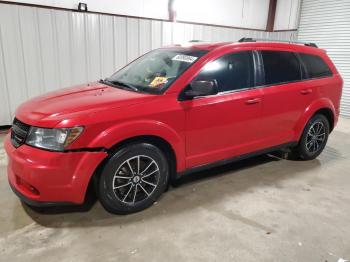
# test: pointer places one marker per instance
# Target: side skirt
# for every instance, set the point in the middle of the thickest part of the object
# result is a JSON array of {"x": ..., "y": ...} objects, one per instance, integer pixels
[{"x": 234, "y": 159}]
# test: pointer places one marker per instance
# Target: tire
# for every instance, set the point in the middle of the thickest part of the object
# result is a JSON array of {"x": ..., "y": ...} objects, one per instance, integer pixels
[
  {"x": 133, "y": 178},
  {"x": 314, "y": 138}
]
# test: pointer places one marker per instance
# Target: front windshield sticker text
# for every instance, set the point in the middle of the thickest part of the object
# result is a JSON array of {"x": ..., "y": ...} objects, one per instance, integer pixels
[{"x": 185, "y": 58}]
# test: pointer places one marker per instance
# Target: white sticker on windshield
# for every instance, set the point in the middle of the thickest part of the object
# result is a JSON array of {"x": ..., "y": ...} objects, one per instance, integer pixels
[{"x": 185, "y": 58}]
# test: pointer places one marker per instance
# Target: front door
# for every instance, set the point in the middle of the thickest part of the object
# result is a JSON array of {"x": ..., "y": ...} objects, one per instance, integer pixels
[{"x": 226, "y": 124}]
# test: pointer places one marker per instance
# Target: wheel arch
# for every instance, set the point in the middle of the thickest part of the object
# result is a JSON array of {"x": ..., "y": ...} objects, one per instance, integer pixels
[
  {"x": 157, "y": 141},
  {"x": 329, "y": 115},
  {"x": 322, "y": 106},
  {"x": 152, "y": 130}
]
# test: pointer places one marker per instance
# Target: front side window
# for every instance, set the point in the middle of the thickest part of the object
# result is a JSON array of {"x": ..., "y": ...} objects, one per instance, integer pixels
[
  {"x": 231, "y": 72},
  {"x": 281, "y": 67},
  {"x": 315, "y": 66},
  {"x": 155, "y": 71}
]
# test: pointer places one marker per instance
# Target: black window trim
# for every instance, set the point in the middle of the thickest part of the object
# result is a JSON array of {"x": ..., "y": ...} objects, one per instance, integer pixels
[{"x": 304, "y": 72}]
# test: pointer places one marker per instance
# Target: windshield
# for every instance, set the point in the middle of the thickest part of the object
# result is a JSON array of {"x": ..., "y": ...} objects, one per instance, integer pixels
[{"x": 155, "y": 71}]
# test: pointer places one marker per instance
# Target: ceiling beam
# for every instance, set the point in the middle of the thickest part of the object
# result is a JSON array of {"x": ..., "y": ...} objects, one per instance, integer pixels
[{"x": 271, "y": 16}]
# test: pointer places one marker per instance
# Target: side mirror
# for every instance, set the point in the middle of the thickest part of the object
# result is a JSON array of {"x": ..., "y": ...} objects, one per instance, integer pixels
[{"x": 201, "y": 88}]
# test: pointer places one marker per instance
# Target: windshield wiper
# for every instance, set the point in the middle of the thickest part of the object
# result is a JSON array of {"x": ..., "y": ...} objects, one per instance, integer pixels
[{"x": 118, "y": 83}]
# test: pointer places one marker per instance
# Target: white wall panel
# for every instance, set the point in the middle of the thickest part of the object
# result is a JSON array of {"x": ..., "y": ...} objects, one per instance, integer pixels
[
  {"x": 207, "y": 33},
  {"x": 28, "y": 24},
  {"x": 156, "y": 34},
  {"x": 107, "y": 42},
  {"x": 5, "y": 111},
  {"x": 220, "y": 12},
  {"x": 327, "y": 23},
  {"x": 63, "y": 37},
  {"x": 255, "y": 13},
  {"x": 198, "y": 32},
  {"x": 144, "y": 8},
  {"x": 79, "y": 53},
  {"x": 13, "y": 59},
  {"x": 48, "y": 46},
  {"x": 132, "y": 31},
  {"x": 294, "y": 14},
  {"x": 237, "y": 13},
  {"x": 45, "y": 49},
  {"x": 167, "y": 33},
  {"x": 93, "y": 46},
  {"x": 287, "y": 14},
  {"x": 145, "y": 33},
  {"x": 120, "y": 42}
]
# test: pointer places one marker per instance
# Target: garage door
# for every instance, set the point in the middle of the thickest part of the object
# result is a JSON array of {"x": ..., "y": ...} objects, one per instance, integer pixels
[{"x": 327, "y": 23}]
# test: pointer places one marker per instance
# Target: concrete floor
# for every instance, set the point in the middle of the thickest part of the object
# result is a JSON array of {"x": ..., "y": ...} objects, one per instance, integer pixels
[{"x": 261, "y": 209}]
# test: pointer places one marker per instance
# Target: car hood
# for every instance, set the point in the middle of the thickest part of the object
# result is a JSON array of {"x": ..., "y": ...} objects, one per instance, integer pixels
[{"x": 51, "y": 108}]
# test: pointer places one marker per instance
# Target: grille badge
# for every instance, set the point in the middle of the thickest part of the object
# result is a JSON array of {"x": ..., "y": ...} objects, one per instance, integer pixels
[{"x": 19, "y": 133}]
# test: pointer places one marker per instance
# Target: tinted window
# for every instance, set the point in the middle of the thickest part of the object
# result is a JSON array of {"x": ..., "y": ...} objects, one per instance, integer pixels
[
  {"x": 232, "y": 72},
  {"x": 280, "y": 67},
  {"x": 315, "y": 66}
]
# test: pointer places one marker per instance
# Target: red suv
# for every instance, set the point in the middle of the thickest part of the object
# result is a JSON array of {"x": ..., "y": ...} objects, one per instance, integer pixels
[{"x": 172, "y": 111}]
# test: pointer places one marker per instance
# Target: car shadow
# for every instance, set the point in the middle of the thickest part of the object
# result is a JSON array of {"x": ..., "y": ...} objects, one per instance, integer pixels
[{"x": 195, "y": 190}]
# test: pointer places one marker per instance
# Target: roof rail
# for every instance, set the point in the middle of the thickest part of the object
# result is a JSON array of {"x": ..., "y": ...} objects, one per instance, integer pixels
[{"x": 249, "y": 39}]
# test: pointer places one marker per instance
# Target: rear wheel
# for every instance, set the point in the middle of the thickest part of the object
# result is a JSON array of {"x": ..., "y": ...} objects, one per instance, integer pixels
[
  {"x": 133, "y": 178},
  {"x": 314, "y": 138}
]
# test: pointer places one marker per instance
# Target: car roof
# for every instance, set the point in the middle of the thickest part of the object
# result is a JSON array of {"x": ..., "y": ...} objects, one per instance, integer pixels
[{"x": 209, "y": 46}]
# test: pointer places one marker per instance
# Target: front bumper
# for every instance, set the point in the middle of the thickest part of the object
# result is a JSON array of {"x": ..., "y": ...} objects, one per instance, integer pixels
[
  {"x": 44, "y": 178},
  {"x": 35, "y": 203}
]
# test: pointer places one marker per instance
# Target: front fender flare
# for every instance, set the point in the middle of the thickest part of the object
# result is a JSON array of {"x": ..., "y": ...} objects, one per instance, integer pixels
[{"x": 122, "y": 131}]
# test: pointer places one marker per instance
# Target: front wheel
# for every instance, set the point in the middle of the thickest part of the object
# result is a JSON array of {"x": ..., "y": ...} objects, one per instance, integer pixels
[
  {"x": 133, "y": 179},
  {"x": 314, "y": 138}
]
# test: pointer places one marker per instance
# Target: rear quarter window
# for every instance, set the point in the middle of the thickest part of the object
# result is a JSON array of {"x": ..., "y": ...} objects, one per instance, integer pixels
[{"x": 315, "y": 66}]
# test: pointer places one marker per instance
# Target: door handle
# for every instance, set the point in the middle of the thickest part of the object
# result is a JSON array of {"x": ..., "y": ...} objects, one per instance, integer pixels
[
  {"x": 253, "y": 101},
  {"x": 306, "y": 91}
]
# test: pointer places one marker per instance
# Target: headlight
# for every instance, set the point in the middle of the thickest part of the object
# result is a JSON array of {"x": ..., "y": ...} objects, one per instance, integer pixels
[{"x": 56, "y": 139}]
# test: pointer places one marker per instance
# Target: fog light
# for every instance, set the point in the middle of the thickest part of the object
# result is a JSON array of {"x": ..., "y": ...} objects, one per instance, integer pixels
[
  {"x": 34, "y": 190},
  {"x": 26, "y": 186}
]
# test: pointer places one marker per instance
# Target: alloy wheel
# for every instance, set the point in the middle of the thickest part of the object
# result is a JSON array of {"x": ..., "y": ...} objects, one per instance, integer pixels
[
  {"x": 136, "y": 179},
  {"x": 315, "y": 137}
]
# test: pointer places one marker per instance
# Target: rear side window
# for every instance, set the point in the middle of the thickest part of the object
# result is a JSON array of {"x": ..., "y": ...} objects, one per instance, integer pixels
[
  {"x": 281, "y": 67},
  {"x": 232, "y": 72},
  {"x": 315, "y": 66}
]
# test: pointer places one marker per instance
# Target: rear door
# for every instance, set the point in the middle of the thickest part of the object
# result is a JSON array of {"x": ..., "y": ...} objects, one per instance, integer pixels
[{"x": 286, "y": 95}]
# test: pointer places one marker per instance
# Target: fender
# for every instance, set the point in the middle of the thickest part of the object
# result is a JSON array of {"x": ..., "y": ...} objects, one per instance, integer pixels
[
  {"x": 122, "y": 131},
  {"x": 323, "y": 103}
]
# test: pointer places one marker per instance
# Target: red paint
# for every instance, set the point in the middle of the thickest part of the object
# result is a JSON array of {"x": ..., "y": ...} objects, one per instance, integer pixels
[{"x": 200, "y": 131}]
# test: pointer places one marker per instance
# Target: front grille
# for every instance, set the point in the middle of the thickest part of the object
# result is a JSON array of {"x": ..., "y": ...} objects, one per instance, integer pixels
[{"x": 19, "y": 132}]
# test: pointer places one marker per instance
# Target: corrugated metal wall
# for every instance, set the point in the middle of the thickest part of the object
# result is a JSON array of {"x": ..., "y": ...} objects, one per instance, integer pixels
[
  {"x": 46, "y": 49},
  {"x": 327, "y": 23}
]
